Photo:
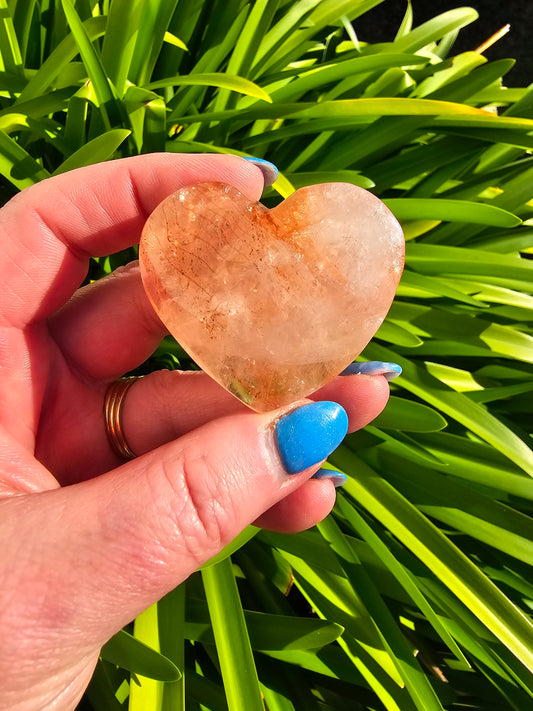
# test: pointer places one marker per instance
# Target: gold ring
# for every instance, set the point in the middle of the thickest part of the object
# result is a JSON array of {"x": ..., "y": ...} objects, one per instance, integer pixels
[{"x": 113, "y": 402}]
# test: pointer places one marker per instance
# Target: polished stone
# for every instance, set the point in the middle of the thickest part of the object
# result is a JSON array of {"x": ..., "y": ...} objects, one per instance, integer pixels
[{"x": 272, "y": 303}]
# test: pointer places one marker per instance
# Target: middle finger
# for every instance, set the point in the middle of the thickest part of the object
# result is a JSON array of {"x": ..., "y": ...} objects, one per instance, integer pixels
[{"x": 167, "y": 404}]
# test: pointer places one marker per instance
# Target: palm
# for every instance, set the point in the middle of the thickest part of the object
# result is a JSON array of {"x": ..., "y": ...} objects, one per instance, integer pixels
[{"x": 71, "y": 440}]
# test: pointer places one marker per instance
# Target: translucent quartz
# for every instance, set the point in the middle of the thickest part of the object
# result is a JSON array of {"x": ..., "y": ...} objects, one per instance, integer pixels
[{"x": 272, "y": 303}]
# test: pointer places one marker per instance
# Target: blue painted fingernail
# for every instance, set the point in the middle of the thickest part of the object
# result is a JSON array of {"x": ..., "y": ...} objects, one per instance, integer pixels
[
  {"x": 309, "y": 434},
  {"x": 269, "y": 170},
  {"x": 338, "y": 478},
  {"x": 374, "y": 367}
]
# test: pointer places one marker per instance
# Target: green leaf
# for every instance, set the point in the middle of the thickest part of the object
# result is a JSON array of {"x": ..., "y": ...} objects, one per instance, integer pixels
[
  {"x": 443, "y": 85},
  {"x": 443, "y": 260},
  {"x": 421, "y": 692},
  {"x": 171, "y": 626},
  {"x": 450, "y": 210},
  {"x": 214, "y": 56},
  {"x": 464, "y": 509},
  {"x": 97, "y": 150},
  {"x": 91, "y": 60},
  {"x": 501, "y": 393},
  {"x": 146, "y": 692},
  {"x": 17, "y": 165},
  {"x": 233, "y": 645},
  {"x": 205, "y": 692},
  {"x": 101, "y": 692},
  {"x": 299, "y": 180},
  {"x": 172, "y": 39},
  {"x": 65, "y": 51},
  {"x": 418, "y": 285},
  {"x": 404, "y": 444},
  {"x": 40, "y": 106},
  {"x": 478, "y": 463},
  {"x": 333, "y": 597},
  {"x": 301, "y": 24},
  {"x": 226, "y": 81},
  {"x": 154, "y": 127},
  {"x": 119, "y": 41},
  {"x": 267, "y": 631},
  {"x": 435, "y": 29},
  {"x": 407, "y": 22},
  {"x": 9, "y": 45},
  {"x": 446, "y": 561},
  {"x": 473, "y": 416},
  {"x": 498, "y": 295},
  {"x": 291, "y": 20},
  {"x": 152, "y": 31},
  {"x": 244, "y": 52},
  {"x": 333, "y": 73},
  {"x": 406, "y": 579},
  {"x": 409, "y": 416},
  {"x": 396, "y": 106},
  {"x": 395, "y": 333},
  {"x": 22, "y": 15},
  {"x": 130, "y": 653},
  {"x": 345, "y": 113}
]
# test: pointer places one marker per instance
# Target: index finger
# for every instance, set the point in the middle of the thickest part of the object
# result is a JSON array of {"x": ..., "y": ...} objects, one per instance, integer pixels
[{"x": 50, "y": 230}]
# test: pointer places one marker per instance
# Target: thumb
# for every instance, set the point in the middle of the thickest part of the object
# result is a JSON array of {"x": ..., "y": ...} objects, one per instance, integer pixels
[{"x": 108, "y": 548}]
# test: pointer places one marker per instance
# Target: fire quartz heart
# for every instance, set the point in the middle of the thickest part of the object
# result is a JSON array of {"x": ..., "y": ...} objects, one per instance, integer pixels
[{"x": 272, "y": 303}]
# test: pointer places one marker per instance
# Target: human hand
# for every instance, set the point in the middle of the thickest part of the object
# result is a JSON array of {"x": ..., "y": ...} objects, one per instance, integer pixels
[{"x": 89, "y": 541}]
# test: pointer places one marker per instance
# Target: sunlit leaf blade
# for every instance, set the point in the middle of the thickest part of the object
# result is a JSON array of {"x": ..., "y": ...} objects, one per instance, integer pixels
[
  {"x": 22, "y": 14},
  {"x": 267, "y": 631},
  {"x": 421, "y": 692},
  {"x": 226, "y": 81},
  {"x": 452, "y": 567},
  {"x": 492, "y": 522},
  {"x": 299, "y": 180},
  {"x": 18, "y": 166},
  {"x": 119, "y": 41},
  {"x": 172, "y": 39},
  {"x": 233, "y": 645},
  {"x": 442, "y": 260},
  {"x": 91, "y": 59},
  {"x": 171, "y": 623},
  {"x": 407, "y": 22},
  {"x": 64, "y": 53},
  {"x": 9, "y": 45},
  {"x": 402, "y": 574},
  {"x": 337, "y": 71},
  {"x": 451, "y": 210},
  {"x": 97, "y": 150},
  {"x": 152, "y": 30},
  {"x": 458, "y": 406},
  {"x": 435, "y": 29},
  {"x": 146, "y": 692},
  {"x": 130, "y": 653},
  {"x": 409, "y": 416}
]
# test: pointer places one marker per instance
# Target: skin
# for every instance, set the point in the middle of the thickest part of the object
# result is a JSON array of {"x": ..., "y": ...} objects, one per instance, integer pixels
[{"x": 89, "y": 541}]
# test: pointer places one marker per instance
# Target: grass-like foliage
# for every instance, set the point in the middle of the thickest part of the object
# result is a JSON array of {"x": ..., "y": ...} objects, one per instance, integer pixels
[{"x": 417, "y": 592}]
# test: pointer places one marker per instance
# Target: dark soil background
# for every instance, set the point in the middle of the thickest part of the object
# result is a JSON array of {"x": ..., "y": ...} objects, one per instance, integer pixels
[{"x": 381, "y": 24}]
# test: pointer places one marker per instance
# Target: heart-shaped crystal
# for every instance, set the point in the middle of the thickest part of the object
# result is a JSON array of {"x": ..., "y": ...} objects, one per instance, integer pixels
[{"x": 272, "y": 303}]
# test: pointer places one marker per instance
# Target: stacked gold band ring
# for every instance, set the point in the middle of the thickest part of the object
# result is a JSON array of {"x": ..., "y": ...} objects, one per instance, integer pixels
[{"x": 113, "y": 402}]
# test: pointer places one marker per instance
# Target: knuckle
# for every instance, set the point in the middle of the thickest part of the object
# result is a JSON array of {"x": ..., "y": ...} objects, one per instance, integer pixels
[{"x": 204, "y": 512}]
